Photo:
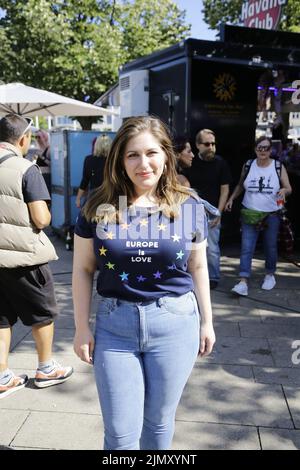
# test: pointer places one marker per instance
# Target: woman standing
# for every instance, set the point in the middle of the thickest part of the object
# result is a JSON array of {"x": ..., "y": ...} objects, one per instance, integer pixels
[
  {"x": 184, "y": 158},
  {"x": 93, "y": 167},
  {"x": 147, "y": 235},
  {"x": 264, "y": 188}
]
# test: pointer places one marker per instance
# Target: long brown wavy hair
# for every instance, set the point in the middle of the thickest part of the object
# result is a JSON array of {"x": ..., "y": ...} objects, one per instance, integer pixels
[{"x": 103, "y": 204}]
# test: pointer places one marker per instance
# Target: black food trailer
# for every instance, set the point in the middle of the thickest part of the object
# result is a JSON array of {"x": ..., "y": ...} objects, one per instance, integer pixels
[{"x": 219, "y": 85}]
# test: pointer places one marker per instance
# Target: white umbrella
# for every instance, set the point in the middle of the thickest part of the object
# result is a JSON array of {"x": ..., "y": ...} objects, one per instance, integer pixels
[{"x": 28, "y": 101}]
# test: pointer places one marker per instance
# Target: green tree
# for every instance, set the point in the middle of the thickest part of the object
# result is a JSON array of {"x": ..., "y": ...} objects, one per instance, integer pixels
[
  {"x": 150, "y": 25},
  {"x": 228, "y": 11},
  {"x": 76, "y": 47}
]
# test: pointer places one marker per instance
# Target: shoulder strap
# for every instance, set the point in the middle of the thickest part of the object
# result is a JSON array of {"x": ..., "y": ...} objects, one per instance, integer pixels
[
  {"x": 247, "y": 167},
  {"x": 6, "y": 157},
  {"x": 278, "y": 166}
]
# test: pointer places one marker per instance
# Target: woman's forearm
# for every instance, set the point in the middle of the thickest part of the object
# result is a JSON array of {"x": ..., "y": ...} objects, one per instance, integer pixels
[
  {"x": 82, "y": 287},
  {"x": 237, "y": 191},
  {"x": 202, "y": 292}
]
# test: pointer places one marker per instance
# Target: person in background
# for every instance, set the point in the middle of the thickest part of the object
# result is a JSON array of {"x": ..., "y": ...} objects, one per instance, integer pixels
[
  {"x": 26, "y": 283},
  {"x": 93, "y": 167},
  {"x": 264, "y": 189},
  {"x": 210, "y": 176},
  {"x": 43, "y": 159},
  {"x": 184, "y": 158},
  {"x": 147, "y": 235}
]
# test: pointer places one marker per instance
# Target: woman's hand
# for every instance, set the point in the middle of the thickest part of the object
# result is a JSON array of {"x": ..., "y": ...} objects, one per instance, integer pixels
[
  {"x": 207, "y": 339},
  {"x": 84, "y": 344},
  {"x": 228, "y": 205},
  {"x": 283, "y": 193},
  {"x": 78, "y": 202}
]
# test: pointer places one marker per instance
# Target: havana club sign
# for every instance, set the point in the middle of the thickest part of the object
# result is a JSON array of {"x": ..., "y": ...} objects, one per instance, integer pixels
[{"x": 262, "y": 13}]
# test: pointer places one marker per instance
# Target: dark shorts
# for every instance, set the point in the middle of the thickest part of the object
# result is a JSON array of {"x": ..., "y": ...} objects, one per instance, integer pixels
[{"x": 27, "y": 293}]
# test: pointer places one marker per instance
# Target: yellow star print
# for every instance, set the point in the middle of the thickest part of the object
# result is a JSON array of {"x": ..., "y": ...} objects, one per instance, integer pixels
[
  {"x": 162, "y": 227},
  {"x": 110, "y": 265},
  {"x": 144, "y": 222},
  {"x": 102, "y": 251},
  {"x": 125, "y": 226},
  {"x": 109, "y": 235}
]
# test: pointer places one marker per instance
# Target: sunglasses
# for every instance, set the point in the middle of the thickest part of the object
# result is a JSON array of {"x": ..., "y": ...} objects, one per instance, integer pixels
[
  {"x": 207, "y": 144},
  {"x": 263, "y": 148},
  {"x": 30, "y": 122}
]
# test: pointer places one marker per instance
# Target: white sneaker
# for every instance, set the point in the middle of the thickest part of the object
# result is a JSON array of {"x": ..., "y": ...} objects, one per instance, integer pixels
[
  {"x": 240, "y": 289},
  {"x": 269, "y": 282}
]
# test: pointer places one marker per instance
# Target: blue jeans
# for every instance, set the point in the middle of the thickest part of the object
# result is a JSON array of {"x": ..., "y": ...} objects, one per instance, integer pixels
[
  {"x": 144, "y": 354},
  {"x": 213, "y": 252},
  {"x": 249, "y": 239}
]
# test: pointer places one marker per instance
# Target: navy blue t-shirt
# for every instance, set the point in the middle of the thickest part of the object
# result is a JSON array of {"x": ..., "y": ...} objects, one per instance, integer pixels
[
  {"x": 145, "y": 256},
  {"x": 33, "y": 185}
]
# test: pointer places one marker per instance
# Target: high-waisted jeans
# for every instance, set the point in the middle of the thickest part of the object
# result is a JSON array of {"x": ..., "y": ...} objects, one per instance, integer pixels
[{"x": 144, "y": 354}]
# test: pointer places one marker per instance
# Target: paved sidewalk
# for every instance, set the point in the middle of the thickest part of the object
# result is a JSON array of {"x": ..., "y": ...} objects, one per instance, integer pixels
[{"x": 246, "y": 395}]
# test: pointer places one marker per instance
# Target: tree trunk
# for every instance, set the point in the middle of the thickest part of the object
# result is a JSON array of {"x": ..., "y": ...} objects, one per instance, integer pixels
[{"x": 87, "y": 121}]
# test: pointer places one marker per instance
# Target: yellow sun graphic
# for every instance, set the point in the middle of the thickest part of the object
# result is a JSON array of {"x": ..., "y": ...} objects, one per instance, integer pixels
[{"x": 225, "y": 87}]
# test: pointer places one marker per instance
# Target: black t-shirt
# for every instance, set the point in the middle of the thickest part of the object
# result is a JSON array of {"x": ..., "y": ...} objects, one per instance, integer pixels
[
  {"x": 33, "y": 186},
  {"x": 207, "y": 177},
  {"x": 93, "y": 169}
]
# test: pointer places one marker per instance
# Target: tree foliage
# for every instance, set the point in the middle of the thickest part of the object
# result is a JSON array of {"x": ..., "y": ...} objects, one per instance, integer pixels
[
  {"x": 75, "y": 47},
  {"x": 228, "y": 11}
]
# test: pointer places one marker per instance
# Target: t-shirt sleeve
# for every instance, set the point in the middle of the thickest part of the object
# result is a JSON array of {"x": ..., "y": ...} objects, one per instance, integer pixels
[
  {"x": 82, "y": 227},
  {"x": 33, "y": 186},
  {"x": 201, "y": 228},
  {"x": 225, "y": 173}
]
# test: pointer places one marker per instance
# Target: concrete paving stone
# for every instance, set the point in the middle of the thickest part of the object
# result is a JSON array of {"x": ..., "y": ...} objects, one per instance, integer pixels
[
  {"x": 283, "y": 352},
  {"x": 62, "y": 431},
  {"x": 276, "y": 298},
  {"x": 10, "y": 423},
  {"x": 77, "y": 395},
  {"x": 207, "y": 436},
  {"x": 19, "y": 332},
  {"x": 253, "y": 330},
  {"x": 63, "y": 342},
  {"x": 277, "y": 375},
  {"x": 223, "y": 297},
  {"x": 235, "y": 313},
  {"x": 280, "y": 317},
  {"x": 29, "y": 361},
  {"x": 293, "y": 398},
  {"x": 223, "y": 328},
  {"x": 279, "y": 439},
  {"x": 247, "y": 351},
  {"x": 64, "y": 320},
  {"x": 231, "y": 400},
  {"x": 216, "y": 372}
]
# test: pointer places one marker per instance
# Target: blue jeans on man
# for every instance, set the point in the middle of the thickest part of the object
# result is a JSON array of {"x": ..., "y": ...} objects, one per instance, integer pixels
[{"x": 213, "y": 252}]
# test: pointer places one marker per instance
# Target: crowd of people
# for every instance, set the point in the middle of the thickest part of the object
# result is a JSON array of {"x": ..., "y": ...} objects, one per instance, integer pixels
[{"x": 149, "y": 223}]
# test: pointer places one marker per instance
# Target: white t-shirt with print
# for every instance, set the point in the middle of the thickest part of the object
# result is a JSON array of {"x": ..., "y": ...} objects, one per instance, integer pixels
[{"x": 261, "y": 188}]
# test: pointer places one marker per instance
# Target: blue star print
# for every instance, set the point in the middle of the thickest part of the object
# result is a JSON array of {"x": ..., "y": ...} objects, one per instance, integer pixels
[
  {"x": 171, "y": 268},
  {"x": 124, "y": 276},
  {"x": 157, "y": 275}
]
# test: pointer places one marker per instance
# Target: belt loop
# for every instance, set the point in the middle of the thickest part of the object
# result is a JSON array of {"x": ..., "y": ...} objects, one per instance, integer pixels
[{"x": 160, "y": 301}]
